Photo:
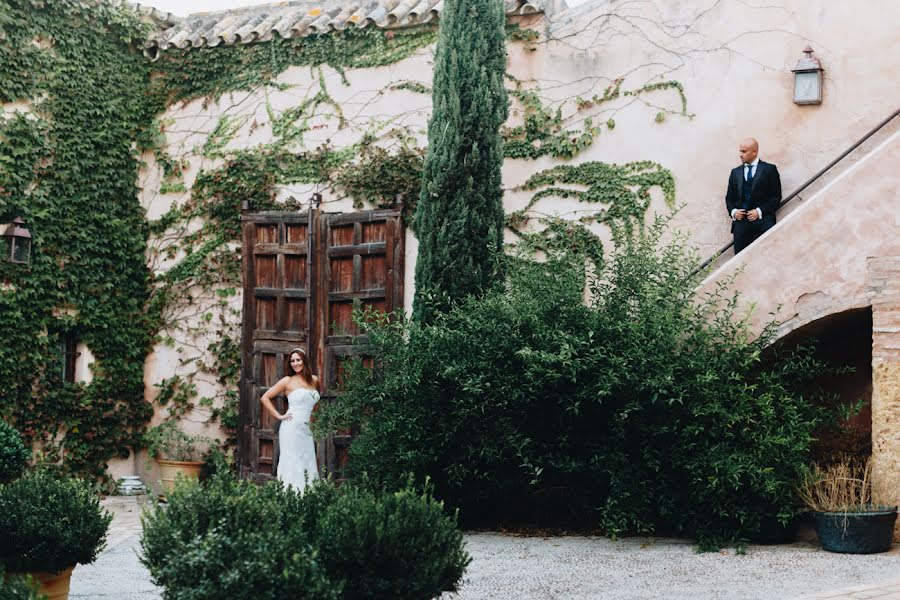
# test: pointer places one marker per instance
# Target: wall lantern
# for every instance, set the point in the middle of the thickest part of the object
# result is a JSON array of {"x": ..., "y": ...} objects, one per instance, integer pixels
[
  {"x": 16, "y": 246},
  {"x": 808, "y": 79}
]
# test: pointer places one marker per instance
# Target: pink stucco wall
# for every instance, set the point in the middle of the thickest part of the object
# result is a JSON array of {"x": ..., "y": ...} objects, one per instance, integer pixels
[{"x": 814, "y": 262}]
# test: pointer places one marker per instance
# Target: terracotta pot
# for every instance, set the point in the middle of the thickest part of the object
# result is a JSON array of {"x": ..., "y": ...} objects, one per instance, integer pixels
[
  {"x": 170, "y": 469},
  {"x": 53, "y": 585}
]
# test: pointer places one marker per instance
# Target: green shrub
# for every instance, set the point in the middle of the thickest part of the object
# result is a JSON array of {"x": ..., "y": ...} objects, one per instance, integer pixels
[
  {"x": 231, "y": 540},
  {"x": 389, "y": 546},
  {"x": 218, "y": 463},
  {"x": 13, "y": 453},
  {"x": 318, "y": 496},
  {"x": 21, "y": 587},
  {"x": 50, "y": 523},
  {"x": 241, "y": 540},
  {"x": 644, "y": 408}
]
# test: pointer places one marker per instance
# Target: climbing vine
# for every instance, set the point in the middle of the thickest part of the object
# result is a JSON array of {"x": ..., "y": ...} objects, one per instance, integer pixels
[
  {"x": 206, "y": 271},
  {"x": 379, "y": 176},
  {"x": 546, "y": 131},
  {"x": 543, "y": 131},
  {"x": 210, "y": 72},
  {"x": 68, "y": 167},
  {"x": 622, "y": 193},
  {"x": 624, "y": 189},
  {"x": 618, "y": 196},
  {"x": 516, "y": 33}
]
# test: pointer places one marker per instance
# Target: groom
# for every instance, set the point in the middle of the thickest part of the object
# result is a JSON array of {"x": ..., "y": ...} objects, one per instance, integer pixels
[{"x": 754, "y": 193}]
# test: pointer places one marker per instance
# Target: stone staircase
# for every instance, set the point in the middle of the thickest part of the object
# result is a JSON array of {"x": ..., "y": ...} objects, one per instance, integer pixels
[{"x": 814, "y": 262}]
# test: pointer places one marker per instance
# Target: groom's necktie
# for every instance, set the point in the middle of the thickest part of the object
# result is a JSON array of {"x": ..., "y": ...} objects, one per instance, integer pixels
[{"x": 747, "y": 186}]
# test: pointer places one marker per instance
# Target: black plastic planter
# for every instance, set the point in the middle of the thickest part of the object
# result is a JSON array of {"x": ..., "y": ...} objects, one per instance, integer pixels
[{"x": 864, "y": 532}]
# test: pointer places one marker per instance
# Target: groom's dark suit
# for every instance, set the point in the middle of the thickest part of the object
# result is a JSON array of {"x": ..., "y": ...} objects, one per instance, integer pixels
[{"x": 763, "y": 192}]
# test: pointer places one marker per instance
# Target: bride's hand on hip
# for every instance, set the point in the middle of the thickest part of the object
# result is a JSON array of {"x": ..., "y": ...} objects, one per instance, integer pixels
[{"x": 286, "y": 417}]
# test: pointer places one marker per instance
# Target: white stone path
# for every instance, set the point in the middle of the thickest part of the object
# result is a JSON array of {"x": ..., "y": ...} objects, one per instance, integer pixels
[{"x": 577, "y": 568}]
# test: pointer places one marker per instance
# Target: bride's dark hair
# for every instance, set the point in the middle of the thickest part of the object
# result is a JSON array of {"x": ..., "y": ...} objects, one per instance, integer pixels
[{"x": 305, "y": 372}]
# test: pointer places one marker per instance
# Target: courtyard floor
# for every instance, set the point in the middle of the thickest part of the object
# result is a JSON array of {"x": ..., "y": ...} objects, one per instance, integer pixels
[{"x": 576, "y": 568}]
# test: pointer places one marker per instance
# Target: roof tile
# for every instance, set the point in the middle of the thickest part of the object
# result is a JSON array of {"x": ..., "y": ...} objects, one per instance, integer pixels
[{"x": 300, "y": 18}]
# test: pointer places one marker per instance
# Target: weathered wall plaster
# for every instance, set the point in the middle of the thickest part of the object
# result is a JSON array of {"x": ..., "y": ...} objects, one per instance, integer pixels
[{"x": 814, "y": 262}]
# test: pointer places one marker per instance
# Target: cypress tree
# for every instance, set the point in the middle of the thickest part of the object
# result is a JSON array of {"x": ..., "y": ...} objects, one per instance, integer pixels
[{"x": 460, "y": 217}]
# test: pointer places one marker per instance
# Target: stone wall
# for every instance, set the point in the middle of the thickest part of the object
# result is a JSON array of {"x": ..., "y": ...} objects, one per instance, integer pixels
[{"x": 884, "y": 282}]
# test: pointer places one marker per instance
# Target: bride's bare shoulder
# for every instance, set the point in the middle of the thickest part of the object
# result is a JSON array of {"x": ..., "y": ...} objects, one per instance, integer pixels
[{"x": 280, "y": 385}]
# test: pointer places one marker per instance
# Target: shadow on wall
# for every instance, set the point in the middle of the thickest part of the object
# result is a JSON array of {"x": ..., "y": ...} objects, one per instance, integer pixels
[{"x": 843, "y": 339}]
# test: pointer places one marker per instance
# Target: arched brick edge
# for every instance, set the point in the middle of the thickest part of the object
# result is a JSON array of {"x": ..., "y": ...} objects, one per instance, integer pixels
[{"x": 807, "y": 315}]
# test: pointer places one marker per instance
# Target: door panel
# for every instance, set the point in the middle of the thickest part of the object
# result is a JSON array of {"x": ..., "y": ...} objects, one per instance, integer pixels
[
  {"x": 363, "y": 258},
  {"x": 303, "y": 275},
  {"x": 276, "y": 319}
]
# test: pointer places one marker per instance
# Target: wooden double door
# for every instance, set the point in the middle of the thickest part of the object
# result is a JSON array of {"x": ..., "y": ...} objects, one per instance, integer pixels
[{"x": 303, "y": 274}]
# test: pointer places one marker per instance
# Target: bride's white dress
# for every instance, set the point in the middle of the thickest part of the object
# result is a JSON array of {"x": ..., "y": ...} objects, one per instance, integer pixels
[{"x": 297, "y": 456}]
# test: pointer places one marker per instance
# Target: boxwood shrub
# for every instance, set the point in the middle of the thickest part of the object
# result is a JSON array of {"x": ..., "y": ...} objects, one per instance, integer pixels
[
  {"x": 50, "y": 523},
  {"x": 241, "y": 540},
  {"x": 231, "y": 540},
  {"x": 389, "y": 546}
]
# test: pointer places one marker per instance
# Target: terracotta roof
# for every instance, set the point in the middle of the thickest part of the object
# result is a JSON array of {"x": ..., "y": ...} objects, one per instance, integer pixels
[
  {"x": 160, "y": 18},
  {"x": 301, "y": 18}
]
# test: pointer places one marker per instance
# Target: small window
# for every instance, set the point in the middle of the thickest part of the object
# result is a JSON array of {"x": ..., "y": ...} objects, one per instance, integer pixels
[{"x": 68, "y": 344}]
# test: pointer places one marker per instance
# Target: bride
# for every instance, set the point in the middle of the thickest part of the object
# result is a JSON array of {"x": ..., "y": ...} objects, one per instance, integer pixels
[{"x": 297, "y": 460}]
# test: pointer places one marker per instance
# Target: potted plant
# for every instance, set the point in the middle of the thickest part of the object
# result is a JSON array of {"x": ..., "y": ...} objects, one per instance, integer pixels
[
  {"x": 846, "y": 515},
  {"x": 50, "y": 524},
  {"x": 177, "y": 453}
]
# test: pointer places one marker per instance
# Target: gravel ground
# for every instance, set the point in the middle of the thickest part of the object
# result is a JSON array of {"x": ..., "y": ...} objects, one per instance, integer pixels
[
  {"x": 567, "y": 568},
  {"x": 117, "y": 574},
  {"x": 643, "y": 568}
]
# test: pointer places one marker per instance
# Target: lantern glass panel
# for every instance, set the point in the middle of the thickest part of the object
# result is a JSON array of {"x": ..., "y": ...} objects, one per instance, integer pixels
[
  {"x": 807, "y": 87},
  {"x": 6, "y": 248},
  {"x": 21, "y": 252}
]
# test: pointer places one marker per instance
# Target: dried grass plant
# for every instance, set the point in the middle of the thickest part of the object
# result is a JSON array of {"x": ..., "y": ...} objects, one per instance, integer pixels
[{"x": 844, "y": 486}]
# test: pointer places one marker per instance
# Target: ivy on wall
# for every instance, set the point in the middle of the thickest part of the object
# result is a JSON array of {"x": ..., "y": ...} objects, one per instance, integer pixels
[
  {"x": 619, "y": 197},
  {"x": 379, "y": 176},
  {"x": 624, "y": 190},
  {"x": 545, "y": 131},
  {"x": 210, "y": 72},
  {"x": 68, "y": 167},
  {"x": 367, "y": 172}
]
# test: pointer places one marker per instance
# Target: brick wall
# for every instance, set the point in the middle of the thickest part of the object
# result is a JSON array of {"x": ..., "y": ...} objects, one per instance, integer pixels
[{"x": 884, "y": 285}]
